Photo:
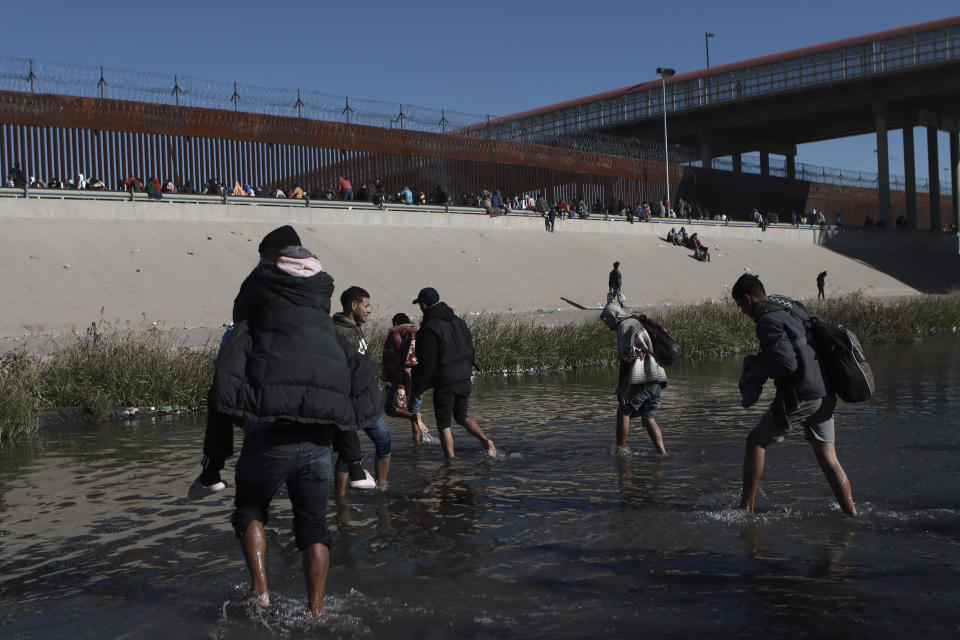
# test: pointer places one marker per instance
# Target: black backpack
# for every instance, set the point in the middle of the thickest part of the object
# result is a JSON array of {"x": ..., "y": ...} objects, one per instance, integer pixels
[
  {"x": 665, "y": 348},
  {"x": 848, "y": 372}
]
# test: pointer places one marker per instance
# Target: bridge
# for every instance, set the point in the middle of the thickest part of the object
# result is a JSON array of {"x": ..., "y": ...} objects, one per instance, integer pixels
[{"x": 895, "y": 79}]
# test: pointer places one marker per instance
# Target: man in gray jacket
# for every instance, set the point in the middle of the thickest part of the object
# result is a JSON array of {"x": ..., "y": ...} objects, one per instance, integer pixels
[
  {"x": 355, "y": 302},
  {"x": 803, "y": 397}
]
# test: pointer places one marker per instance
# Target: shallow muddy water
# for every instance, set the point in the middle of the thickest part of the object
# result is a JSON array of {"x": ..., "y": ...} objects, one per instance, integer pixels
[{"x": 556, "y": 538}]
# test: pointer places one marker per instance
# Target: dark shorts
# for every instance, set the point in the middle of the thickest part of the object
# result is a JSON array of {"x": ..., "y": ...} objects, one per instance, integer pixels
[
  {"x": 815, "y": 416},
  {"x": 451, "y": 400},
  {"x": 298, "y": 456}
]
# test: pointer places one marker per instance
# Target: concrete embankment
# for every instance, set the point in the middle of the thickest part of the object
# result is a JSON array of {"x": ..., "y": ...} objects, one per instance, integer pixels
[{"x": 69, "y": 263}]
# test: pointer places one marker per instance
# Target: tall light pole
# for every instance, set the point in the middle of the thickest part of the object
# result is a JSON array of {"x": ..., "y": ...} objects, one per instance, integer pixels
[
  {"x": 706, "y": 41},
  {"x": 664, "y": 73}
]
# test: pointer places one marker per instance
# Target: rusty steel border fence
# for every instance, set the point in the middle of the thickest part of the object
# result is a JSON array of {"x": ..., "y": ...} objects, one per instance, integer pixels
[{"x": 60, "y": 136}]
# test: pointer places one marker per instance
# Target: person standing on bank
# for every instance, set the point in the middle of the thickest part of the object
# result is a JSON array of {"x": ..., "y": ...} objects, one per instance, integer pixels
[
  {"x": 802, "y": 398},
  {"x": 821, "y": 280},
  {"x": 641, "y": 380},
  {"x": 287, "y": 376},
  {"x": 615, "y": 282},
  {"x": 355, "y": 303},
  {"x": 445, "y": 354}
]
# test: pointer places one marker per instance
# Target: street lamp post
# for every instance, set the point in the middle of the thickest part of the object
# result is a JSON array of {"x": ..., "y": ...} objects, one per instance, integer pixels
[
  {"x": 664, "y": 73},
  {"x": 706, "y": 41}
]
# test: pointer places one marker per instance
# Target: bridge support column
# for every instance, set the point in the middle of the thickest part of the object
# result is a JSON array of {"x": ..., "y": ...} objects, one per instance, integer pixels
[
  {"x": 933, "y": 165},
  {"x": 706, "y": 155},
  {"x": 791, "y": 167},
  {"x": 737, "y": 163},
  {"x": 955, "y": 174},
  {"x": 883, "y": 167},
  {"x": 764, "y": 163},
  {"x": 910, "y": 176}
]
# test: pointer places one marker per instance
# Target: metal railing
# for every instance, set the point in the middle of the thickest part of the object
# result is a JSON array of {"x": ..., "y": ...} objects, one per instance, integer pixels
[
  {"x": 859, "y": 62},
  {"x": 823, "y": 175}
]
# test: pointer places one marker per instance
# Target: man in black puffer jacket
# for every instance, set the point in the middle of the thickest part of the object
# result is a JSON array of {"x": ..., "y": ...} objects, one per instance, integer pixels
[
  {"x": 286, "y": 374},
  {"x": 445, "y": 354}
]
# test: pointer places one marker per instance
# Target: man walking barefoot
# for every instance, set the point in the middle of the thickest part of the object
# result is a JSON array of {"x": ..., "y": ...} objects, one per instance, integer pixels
[
  {"x": 286, "y": 376},
  {"x": 398, "y": 359},
  {"x": 641, "y": 378},
  {"x": 786, "y": 355},
  {"x": 445, "y": 354}
]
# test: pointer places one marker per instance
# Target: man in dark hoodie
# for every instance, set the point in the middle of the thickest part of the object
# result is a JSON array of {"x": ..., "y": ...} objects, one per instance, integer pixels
[
  {"x": 615, "y": 282},
  {"x": 355, "y": 302},
  {"x": 289, "y": 378},
  {"x": 445, "y": 354},
  {"x": 803, "y": 397}
]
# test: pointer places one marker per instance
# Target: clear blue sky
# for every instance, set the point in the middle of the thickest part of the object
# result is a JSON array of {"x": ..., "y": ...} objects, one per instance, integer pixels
[{"x": 494, "y": 57}]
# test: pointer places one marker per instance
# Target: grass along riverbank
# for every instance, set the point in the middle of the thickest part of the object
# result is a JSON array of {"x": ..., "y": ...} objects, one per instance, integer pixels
[{"x": 99, "y": 373}]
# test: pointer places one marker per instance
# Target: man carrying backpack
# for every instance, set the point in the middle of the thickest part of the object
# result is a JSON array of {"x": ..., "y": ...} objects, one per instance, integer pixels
[
  {"x": 641, "y": 377},
  {"x": 803, "y": 397}
]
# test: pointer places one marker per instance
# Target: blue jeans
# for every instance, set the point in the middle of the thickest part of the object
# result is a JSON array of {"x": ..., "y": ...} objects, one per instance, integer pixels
[
  {"x": 295, "y": 455},
  {"x": 641, "y": 400},
  {"x": 380, "y": 435}
]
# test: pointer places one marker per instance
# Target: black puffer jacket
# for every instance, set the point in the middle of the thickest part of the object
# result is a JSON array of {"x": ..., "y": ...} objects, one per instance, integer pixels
[
  {"x": 285, "y": 363},
  {"x": 444, "y": 350}
]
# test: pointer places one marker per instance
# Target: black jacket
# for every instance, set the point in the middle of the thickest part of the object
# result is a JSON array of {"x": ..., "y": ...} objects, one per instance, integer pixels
[
  {"x": 284, "y": 362},
  {"x": 444, "y": 350},
  {"x": 616, "y": 280},
  {"x": 787, "y": 352}
]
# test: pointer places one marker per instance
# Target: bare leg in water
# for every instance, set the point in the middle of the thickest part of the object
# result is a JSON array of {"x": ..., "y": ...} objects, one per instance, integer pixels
[
  {"x": 753, "y": 463},
  {"x": 651, "y": 426},
  {"x": 446, "y": 438},
  {"x": 254, "y": 545},
  {"x": 827, "y": 457}
]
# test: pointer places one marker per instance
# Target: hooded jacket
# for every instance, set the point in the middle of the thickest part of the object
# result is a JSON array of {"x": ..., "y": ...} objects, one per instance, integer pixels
[
  {"x": 786, "y": 351},
  {"x": 444, "y": 350},
  {"x": 284, "y": 362},
  {"x": 365, "y": 392},
  {"x": 638, "y": 365}
]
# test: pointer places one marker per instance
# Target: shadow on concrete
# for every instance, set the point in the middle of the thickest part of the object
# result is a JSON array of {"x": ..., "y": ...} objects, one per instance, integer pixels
[
  {"x": 575, "y": 305},
  {"x": 925, "y": 260}
]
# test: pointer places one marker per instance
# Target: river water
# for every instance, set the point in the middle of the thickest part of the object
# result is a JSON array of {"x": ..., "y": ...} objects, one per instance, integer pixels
[{"x": 557, "y": 538}]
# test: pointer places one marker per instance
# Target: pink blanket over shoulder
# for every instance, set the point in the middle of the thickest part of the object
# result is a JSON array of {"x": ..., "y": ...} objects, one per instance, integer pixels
[{"x": 300, "y": 267}]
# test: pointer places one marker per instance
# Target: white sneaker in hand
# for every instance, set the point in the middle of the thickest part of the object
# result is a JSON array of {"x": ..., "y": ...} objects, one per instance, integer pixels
[
  {"x": 367, "y": 483},
  {"x": 199, "y": 491}
]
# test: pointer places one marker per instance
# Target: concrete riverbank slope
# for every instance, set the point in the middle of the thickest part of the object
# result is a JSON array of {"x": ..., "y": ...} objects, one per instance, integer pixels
[{"x": 67, "y": 264}]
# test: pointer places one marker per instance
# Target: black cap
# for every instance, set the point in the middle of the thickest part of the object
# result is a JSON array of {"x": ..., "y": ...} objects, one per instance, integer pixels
[
  {"x": 428, "y": 296},
  {"x": 277, "y": 239}
]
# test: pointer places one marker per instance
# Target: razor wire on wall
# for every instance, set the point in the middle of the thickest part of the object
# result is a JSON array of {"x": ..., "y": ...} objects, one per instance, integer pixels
[{"x": 35, "y": 76}]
